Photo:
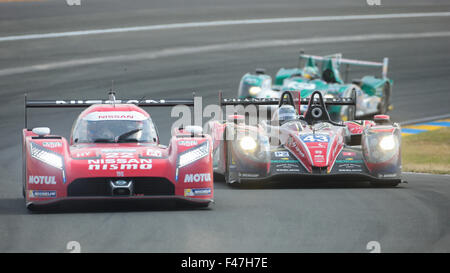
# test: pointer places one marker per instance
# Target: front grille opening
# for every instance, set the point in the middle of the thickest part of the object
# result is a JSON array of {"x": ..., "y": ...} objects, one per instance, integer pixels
[
  {"x": 319, "y": 170},
  {"x": 121, "y": 192},
  {"x": 143, "y": 186}
]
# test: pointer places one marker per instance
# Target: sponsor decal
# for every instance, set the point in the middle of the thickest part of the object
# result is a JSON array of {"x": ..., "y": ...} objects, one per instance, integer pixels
[
  {"x": 119, "y": 164},
  {"x": 297, "y": 149},
  {"x": 315, "y": 138},
  {"x": 41, "y": 194},
  {"x": 349, "y": 167},
  {"x": 52, "y": 144},
  {"x": 349, "y": 161},
  {"x": 287, "y": 168},
  {"x": 197, "y": 192},
  {"x": 281, "y": 154},
  {"x": 198, "y": 177},
  {"x": 153, "y": 153},
  {"x": 283, "y": 161},
  {"x": 115, "y": 115},
  {"x": 187, "y": 143},
  {"x": 82, "y": 102},
  {"x": 319, "y": 145},
  {"x": 251, "y": 175},
  {"x": 319, "y": 158},
  {"x": 83, "y": 154},
  {"x": 348, "y": 153},
  {"x": 41, "y": 180},
  {"x": 301, "y": 85}
]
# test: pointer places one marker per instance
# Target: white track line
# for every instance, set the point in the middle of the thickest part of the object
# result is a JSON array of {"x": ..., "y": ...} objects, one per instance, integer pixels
[
  {"x": 426, "y": 119},
  {"x": 177, "y": 51},
  {"x": 225, "y": 23}
]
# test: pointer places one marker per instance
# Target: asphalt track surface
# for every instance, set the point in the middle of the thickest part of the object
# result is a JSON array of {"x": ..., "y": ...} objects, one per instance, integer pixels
[{"x": 288, "y": 218}]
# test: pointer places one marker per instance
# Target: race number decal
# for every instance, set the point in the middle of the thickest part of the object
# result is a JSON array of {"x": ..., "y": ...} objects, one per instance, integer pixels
[{"x": 314, "y": 138}]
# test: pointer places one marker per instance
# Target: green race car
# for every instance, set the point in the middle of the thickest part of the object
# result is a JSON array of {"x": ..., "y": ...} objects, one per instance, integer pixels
[{"x": 322, "y": 73}]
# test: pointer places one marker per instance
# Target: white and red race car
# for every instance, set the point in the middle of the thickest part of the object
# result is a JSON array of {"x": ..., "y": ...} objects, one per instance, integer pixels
[
  {"x": 114, "y": 155},
  {"x": 308, "y": 147}
]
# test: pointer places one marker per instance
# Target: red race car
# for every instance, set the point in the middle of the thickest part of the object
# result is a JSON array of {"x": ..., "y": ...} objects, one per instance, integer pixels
[
  {"x": 306, "y": 147},
  {"x": 114, "y": 155}
]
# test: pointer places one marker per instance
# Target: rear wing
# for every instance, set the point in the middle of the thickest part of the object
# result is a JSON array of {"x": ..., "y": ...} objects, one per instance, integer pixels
[
  {"x": 274, "y": 101},
  {"x": 339, "y": 60},
  {"x": 86, "y": 103}
]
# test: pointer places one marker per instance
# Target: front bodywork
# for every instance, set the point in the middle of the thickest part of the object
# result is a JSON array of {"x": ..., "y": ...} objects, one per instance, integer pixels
[
  {"x": 56, "y": 171},
  {"x": 305, "y": 153}
]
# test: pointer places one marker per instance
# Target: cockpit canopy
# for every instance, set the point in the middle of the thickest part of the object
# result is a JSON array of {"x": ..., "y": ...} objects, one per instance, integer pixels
[
  {"x": 284, "y": 113},
  {"x": 114, "y": 126}
]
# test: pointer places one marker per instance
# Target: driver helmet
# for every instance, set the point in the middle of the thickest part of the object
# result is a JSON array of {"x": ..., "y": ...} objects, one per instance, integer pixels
[
  {"x": 310, "y": 73},
  {"x": 285, "y": 113}
]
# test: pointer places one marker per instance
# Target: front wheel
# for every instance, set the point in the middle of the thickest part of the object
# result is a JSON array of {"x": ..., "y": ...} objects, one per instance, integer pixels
[
  {"x": 229, "y": 177},
  {"x": 383, "y": 107}
]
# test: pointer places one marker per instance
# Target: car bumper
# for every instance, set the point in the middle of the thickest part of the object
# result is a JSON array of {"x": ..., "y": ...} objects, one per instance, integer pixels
[
  {"x": 113, "y": 203},
  {"x": 308, "y": 177}
]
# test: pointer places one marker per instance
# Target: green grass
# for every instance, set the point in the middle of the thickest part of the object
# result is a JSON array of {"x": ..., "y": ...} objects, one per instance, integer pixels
[{"x": 427, "y": 152}]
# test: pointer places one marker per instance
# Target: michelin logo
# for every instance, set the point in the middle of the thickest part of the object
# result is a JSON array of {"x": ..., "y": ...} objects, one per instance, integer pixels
[
  {"x": 42, "y": 194},
  {"x": 197, "y": 192},
  {"x": 198, "y": 177}
]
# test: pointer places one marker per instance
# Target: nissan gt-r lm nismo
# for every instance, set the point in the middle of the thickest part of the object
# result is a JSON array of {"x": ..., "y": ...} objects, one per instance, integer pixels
[
  {"x": 113, "y": 154},
  {"x": 306, "y": 147}
]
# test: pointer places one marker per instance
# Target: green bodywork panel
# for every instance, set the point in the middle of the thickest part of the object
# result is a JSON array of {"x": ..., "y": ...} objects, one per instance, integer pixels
[
  {"x": 374, "y": 86},
  {"x": 307, "y": 87},
  {"x": 254, "y": 80},
  {"x": 285, "y": 73},
  {"x": 310, "y": 78}
]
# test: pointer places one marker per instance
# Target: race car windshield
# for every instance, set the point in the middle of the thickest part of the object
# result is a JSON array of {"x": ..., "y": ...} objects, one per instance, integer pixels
[{"x": 114, "y": 131}]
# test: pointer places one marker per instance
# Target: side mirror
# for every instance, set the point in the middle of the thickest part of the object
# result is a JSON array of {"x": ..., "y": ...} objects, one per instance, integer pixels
[
  {"x": 260, "y": 71},
  {"x": 41, "y": 131},
  {"x": 382, "y": 119}
]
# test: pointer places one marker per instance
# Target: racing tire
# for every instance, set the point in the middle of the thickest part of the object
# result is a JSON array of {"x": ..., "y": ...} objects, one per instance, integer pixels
[
  {"x": 349, "y": 114},
  {"x": 227, "y": 173},
  {"x": 383, "y": 107}
]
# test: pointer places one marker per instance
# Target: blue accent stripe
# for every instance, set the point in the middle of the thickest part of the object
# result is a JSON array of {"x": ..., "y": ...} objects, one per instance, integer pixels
[
  {"x": 412, "y": 131},
  {"x": 437, "y": 123}
]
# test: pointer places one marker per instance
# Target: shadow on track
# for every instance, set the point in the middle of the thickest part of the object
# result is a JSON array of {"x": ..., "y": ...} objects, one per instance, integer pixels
[
  {"x": 310, "y": 184},
  {"x": 16, "y": 206}
]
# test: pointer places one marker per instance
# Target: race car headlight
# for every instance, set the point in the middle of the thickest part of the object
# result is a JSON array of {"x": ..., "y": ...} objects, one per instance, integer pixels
[
  {"x": 329, "y": 96},
  {"x": 254, "y": 90},
  {"x": 247, "y": 143},
  {"x": 193, "y": 154},
  {"x": 380, "y": 147},
  {"x": 387, "y": 143},
  {"x": 46, "y": 156}
]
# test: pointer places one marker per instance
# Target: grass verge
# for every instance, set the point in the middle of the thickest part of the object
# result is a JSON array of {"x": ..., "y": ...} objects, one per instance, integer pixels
[{"x": 427, "y": 152}]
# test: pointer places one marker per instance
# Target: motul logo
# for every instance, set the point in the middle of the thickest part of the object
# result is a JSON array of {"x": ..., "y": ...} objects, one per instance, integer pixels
[
  {"x": 47, "y": 180},
  {"x": 198, "y": 177}
]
